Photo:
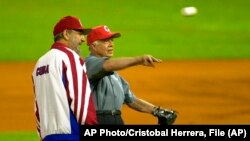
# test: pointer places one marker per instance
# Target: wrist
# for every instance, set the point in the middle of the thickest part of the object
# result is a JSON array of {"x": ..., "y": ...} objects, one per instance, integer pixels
[
  {"x": 139, "y": 59},
  {"x": 155, "y": 110}
]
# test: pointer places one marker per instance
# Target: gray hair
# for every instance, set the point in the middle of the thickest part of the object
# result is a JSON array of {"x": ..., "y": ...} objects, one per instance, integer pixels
[
  {"x": 58, "y": 36},
  {"x": 97, "y": 42}
]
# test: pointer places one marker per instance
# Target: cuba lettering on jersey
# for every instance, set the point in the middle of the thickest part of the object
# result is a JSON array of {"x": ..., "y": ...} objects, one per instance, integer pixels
[{"x": 63, "y": 98}]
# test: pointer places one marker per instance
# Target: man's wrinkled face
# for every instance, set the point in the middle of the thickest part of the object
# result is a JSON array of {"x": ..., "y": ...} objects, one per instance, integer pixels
[
  {"x": 103, "y": 48},
  {"x": 75, "y": 39}
]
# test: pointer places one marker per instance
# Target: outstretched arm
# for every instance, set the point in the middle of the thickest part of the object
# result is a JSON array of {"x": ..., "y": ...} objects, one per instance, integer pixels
[{"x": 122, "y": 63}]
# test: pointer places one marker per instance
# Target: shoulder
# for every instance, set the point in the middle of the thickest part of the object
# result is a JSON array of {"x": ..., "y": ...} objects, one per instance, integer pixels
[
  {"x": 89, "y": 58},
  {"x": 94, "y": 60}
]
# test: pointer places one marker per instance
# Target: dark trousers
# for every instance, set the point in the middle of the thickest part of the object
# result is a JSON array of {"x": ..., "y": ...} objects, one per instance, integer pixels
[{"x": 104, "y": 119}]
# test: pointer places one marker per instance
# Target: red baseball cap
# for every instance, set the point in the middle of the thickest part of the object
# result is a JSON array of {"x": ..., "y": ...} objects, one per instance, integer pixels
[
  {"x": 100, "y": 33},
  {"x": 70, "y": 22}
]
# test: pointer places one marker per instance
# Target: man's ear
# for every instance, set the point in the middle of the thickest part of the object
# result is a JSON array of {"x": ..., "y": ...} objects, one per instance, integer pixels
[
  {"x": 66, "y": 34},
  {"x": 93, "y": 46}
]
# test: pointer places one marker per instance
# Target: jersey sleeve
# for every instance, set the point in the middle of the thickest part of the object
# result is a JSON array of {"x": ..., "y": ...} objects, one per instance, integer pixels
[{"x": 95, "y": 69}]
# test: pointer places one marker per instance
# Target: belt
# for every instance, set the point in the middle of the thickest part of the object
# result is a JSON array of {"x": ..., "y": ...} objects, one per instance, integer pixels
[{"x": 108, "y": 112}]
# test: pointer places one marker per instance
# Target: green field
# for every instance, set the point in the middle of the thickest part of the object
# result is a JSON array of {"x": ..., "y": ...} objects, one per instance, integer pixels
[
  {"x": 220, "y": 30},
  {"x": 18, "y": 136}
]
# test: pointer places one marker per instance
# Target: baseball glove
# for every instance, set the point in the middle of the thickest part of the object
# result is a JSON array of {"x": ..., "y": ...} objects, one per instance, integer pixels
[{"x": 165, "y": 117}]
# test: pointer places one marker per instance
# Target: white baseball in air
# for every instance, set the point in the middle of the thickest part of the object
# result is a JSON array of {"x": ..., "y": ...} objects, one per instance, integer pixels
[{"x": 189, "y": 11}]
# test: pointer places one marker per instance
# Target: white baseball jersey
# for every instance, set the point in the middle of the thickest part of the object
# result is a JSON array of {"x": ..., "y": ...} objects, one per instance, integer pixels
[{"x": 63, "y": 98}]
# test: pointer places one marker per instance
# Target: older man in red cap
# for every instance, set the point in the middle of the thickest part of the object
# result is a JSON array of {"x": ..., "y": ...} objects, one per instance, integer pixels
[
  {"x": 111, "y": 91},
  {"x": 63, "y": 97}
]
